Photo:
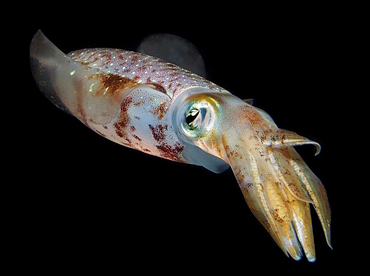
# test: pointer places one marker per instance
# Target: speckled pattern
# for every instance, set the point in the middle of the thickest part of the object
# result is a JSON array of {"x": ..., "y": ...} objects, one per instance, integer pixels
[{"x": 142, "y": 69}]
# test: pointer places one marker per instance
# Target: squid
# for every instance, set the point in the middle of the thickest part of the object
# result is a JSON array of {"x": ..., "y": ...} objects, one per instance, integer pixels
[{"x": 148, "y": 104}]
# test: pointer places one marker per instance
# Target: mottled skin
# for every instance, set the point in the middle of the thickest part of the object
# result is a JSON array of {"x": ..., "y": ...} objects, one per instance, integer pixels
[
  {"x": 143, "y": 69},
  {"x": 156, "y": 107}
]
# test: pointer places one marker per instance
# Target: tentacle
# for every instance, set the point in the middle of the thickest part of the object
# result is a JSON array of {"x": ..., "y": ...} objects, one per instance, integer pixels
[
  {"x": 299, "y": 207},
  {"x": 316, "y": 191},
  {"x": 286, "y": 175},
  {"x": 282, "y": 137},
  {"x": 265, "y": 195},
  {"x": 246, "y": 171},
  {"x": 278, "y": 186},
  {"x": 280, "y": 209}
]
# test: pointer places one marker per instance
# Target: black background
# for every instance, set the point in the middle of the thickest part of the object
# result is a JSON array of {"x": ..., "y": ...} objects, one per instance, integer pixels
[{"x": 82, "y": 201}]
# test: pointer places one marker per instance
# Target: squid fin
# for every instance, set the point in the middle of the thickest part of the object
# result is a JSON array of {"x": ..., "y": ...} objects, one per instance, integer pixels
[
  {"x": 174, "y": 49},
  {"x": 73, "y": 86},
  {"x": 249, "y": 101},
  {"x": 45, "y": 58}
]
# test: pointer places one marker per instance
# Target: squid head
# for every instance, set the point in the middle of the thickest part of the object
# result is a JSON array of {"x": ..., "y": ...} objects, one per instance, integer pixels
[{"x": 276, "y": 183}]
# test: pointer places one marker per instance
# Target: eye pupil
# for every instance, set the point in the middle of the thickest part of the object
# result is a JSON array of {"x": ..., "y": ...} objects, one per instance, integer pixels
[{"x": 191, "y": 116}]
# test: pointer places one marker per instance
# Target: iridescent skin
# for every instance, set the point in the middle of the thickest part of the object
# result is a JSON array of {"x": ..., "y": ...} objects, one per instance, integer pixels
[{"x": 156, "y": 107}]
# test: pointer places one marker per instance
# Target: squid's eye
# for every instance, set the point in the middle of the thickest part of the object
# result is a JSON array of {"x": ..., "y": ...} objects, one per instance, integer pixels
[
  {"x": 197, "y": 120},
  {"x": 191, "y": 118}
]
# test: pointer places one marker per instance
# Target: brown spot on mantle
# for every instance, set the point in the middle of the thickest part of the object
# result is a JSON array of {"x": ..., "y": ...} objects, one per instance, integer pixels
[
  {"x": 158, "y": 87},
  {"x": 123, "y": 119},
  {"x": 166, "y": 151},
  {"x": 158, "y": 132},
  {"x": 160, "y": 110},
  {"x": 110, "y": 84}
]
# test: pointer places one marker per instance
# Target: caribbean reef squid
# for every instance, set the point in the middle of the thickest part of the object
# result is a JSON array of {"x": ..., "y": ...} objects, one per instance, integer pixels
[{"x": 148, "y": 104}]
